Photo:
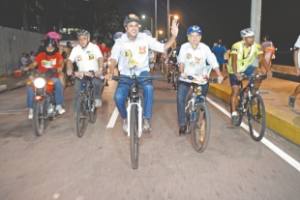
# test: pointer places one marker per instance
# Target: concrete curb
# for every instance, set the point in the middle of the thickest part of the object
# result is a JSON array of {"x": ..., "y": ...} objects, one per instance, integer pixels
[
  {"x": 7, "y": 87},
  {"x": 277, "y": 120}
]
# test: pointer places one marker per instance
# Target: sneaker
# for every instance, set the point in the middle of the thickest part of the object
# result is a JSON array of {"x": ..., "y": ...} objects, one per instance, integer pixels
[
  {"x": 234, "y": 117},
  {"x": 146, "y": 125},
  {"x": 98, "y": 103},
  {"x": 60, "y": 109},
  {"x": 125, "y": 126},
  {"x": 292, "y": 101},
  {"x": 30, "y": 113}
]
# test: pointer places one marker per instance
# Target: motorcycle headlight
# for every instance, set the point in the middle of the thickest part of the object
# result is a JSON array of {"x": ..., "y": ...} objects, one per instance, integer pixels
[{"x": 39, "y": 83}]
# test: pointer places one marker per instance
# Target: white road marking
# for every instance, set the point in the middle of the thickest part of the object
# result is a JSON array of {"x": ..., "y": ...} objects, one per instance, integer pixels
[
  {"x": 113, "y": 118},
  {"x": 283, "y": 155}
]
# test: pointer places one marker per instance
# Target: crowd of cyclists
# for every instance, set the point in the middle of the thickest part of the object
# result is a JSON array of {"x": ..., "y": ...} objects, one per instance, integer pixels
[{"x": 140, "y": 51}]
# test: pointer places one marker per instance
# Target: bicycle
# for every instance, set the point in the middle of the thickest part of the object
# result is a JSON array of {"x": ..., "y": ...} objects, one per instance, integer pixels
[
  {"x": 135, "y": 115},
  {"x": 85, "y": 110},
  {"x": 197, "y": 114},
  {"x": 173, "y": 75},
  {"x": 251, "y": 102}
]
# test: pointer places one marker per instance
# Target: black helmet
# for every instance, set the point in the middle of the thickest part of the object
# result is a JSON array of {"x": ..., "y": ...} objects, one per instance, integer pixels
[
  {"x": 131, "y": 18},
  {"x": 50, "y": 42}
]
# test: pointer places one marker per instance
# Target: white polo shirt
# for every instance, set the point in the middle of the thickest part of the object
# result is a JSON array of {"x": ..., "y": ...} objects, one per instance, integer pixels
[
  {"x": 297, "y": 45},
  {"x": 134, "y": 53},
  {"x": 195, "y": 60},
  {"x": 87, "y": 58}
]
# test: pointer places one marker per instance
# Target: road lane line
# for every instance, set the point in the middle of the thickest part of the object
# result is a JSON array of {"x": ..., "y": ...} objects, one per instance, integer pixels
[
  {"x": 283, "y": 155},
  {"x": 113, "y": 118}
]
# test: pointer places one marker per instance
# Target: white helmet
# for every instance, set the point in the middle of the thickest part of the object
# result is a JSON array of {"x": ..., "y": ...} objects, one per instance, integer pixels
[
  {"x": 247, "y": 33},
  {"x": 83, "y": 33}
]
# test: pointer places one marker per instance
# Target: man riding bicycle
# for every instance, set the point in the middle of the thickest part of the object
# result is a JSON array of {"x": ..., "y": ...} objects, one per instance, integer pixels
[
  {"x": 89, "y": 59},
  {"x": 242, "y": 60},
  {"x": 192, "y": 60},
  {"x": 49, "y": 60},
  {"x": 131, "y": 52}
]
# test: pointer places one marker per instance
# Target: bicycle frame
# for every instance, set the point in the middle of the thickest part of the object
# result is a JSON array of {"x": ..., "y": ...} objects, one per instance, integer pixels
[
  {"x": 196, "y": 98},
  {"x": 86, "y": 89},
  {"x": 249, "y": 89}
]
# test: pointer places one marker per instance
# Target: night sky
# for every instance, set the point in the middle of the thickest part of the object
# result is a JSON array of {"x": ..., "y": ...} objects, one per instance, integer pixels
[
  {"x": 225, "y": 18},
  {"x": 218, "y": 18}
]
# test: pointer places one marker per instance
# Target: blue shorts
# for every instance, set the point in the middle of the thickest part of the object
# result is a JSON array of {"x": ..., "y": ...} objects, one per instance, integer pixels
[{"x": 248, "y": 72}]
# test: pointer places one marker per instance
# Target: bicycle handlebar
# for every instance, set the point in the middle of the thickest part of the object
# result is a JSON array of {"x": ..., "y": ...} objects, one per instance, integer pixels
[
  {"x": 255, "y": 76},
  {"x": 146, "y": 78}
]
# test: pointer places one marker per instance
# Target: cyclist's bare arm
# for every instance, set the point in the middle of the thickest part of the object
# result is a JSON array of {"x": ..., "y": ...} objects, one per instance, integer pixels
[
  {"x": 101, "y": 65},
  {"x": 112, "y": 64},
  {"x": 181, "y": 68},
  {"x": 296, "y": 61},
  {"x": 61, "y": 66},
  {"x": 31, "y": 66},
  {"x": 263, "y": 63},
  {"x": 174, "y": 33},
  {"x": 234, "y": 63},
  {"x": 69, "y": 67}
]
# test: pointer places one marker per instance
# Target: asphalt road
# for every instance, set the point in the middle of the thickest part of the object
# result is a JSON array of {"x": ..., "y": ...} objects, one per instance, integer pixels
[{"x": 59, "y": 165}]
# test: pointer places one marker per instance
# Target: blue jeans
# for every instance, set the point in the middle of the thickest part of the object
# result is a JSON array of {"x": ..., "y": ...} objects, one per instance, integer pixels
[
  {"x": 97, "y": 83},
  {"x": 59, "y": 93},
  {"x": 182, "y": 94},
  {"x": 122, "y": 93}
]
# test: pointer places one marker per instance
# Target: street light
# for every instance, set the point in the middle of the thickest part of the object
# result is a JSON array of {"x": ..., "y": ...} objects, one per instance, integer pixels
[
  {"x": 176, "y": 17},
  {"x": 160, "y": 32}
]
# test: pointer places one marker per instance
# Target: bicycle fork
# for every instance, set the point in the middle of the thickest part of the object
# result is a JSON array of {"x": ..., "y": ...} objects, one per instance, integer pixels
[{"x": 140, "y": 117}]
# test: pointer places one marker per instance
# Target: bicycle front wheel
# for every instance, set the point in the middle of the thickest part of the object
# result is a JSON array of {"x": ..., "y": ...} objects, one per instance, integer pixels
[
  {"x": 256, "y": 118},
  {"x": 200, "y": 128},
  {"x": 134, "y": 139},
  {"x": 81, "y": 117}
]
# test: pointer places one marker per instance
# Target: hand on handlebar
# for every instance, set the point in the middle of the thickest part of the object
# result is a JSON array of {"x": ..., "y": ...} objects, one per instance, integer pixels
[{"x": 79, "y": 74}]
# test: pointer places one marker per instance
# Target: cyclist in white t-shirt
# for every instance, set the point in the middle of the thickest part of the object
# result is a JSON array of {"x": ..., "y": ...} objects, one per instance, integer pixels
[
  {"x": 193, "y": 58},
  {"x": 88, "y": 58},
  {"x": 132, "y": 51},
  {"x": 292, "y": 98}
]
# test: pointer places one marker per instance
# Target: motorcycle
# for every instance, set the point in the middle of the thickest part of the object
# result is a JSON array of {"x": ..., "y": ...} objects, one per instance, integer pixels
[{"x": 44, "y": 102}]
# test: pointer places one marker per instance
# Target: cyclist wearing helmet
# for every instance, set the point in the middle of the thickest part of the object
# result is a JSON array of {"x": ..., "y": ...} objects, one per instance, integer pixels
[
  {"x": 192, "y": 59},
  {"x": 49, "y": 60},
  {"x": 131, "y": 50},
  {"x": 88, "y": 57},
  {"x": 242, "y": 59}
]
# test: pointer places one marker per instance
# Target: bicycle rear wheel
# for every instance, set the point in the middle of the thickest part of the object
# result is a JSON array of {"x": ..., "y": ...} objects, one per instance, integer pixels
[
  {"x": 256, "y": 118},
  {"x": 200, "y": 128},
  {"x": 134, "y": 139}
]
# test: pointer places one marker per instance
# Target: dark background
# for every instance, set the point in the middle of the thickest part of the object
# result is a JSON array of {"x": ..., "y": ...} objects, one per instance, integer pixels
[{"x": 218, "y": 18}]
